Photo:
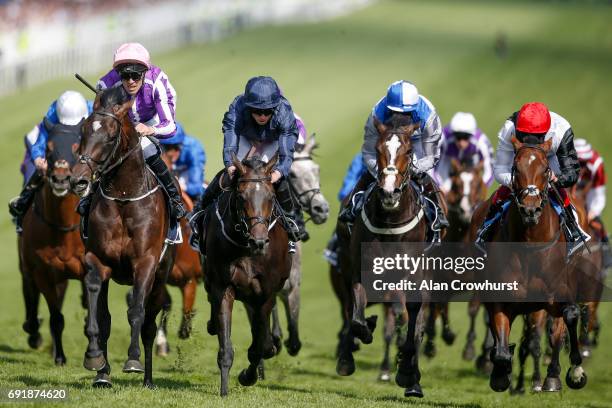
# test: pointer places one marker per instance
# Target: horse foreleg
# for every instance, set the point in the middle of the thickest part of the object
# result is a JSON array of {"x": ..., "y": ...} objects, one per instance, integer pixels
[
  {"x": 557, "y": 335},
  {"x": 261, "y": 345},
  {"x": 225, "y": 356},
  {"x": 361, "y": 328},
  {"x": 576, "y": 377},
  {"x": 292, "y": 311},
  {"x": 523, "y": 354},
  {"x": 103, "y": 379},
  {"x": 469, "y": 352},
  {"x": 483, "y": 361},
  {"x": 430, "y": 330},
  {"x": 408, "y": 374},
  {"x": 189, "y": 294},
  {"x": 388, "y": 332},
  {"x": 277, "y": 333},
  {"x": 31, "y": 297},
  {"x": 447, "y": 333},
  {"x": 154, "y": 303},
  {"x": 499, "y": 322},
  {"x": 95, "y": 275},
  {"x": 54, "y": 295},
  {"x": 162, "y": 347}
]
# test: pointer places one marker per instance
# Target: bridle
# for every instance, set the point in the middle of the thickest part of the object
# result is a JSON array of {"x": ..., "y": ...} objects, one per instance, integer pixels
[
  {"x": 305, "y": 205},
  {"x": 393, "y": 171},
  {"x": 530, "y": 190},
  {"x": 245, "y": 224},
  {"x": 104, "y": 166}
]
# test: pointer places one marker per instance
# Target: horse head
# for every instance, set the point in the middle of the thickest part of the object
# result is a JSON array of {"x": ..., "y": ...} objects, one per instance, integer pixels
[
  {"x": 467, "y": 189},
  {"x": 255, "y": 199},
  {"x": 62, "y": 143},
  {"x": 394, "y": 157},
  {"x": 305, "y": 181},
  {"x": 530, "y": 179},
  {"x": 104, "y": 134}
]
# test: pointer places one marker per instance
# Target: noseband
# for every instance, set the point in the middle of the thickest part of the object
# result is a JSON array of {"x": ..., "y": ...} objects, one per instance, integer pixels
[
  {"x": 244, "y": 225},
  {"x": 531, "y": 190},
  {"x": 105, "y": 166}
]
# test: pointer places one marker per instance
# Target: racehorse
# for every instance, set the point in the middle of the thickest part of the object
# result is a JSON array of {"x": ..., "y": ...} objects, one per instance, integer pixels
[
  {"x": 246, "y": 259},
  {"x": 392, "y": 212},
  {"x": 128, "y": 223},
  {"x": 531, "y": 219},
  {"x": 304, "y": 181},
  {"x": 50, "y": 248},
  {"x": 467, "y": 190}
]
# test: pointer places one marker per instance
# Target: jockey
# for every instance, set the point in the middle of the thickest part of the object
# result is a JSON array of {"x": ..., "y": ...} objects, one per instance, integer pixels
[
  {"x": 403, "y": 97},
  {"x": 534, "y": 124},
  {"x": 463, "y": 141},
  {"x": 63, "y": 116},
  {"x": 263, "y": 119},
  {"x": 356, "y": 169},
  {"x": 593, "y": 175},
  {"x": 152, "y": 112},
  {"x": 188, "y": 158}
]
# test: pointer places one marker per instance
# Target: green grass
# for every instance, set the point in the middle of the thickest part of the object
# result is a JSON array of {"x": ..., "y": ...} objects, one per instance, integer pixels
[{"x": 333, "y": 73}]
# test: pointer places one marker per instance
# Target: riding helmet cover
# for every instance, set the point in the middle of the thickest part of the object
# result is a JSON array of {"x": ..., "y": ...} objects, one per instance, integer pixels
[
  {"x": 402, "y": 96},
  {"x": 262, "y": 92},
  {"x": 533, "y": 118},
  {"x": 584, "y": 151},
  {"x": 132, "y": 57},
  {"x": 71, "y": 108},
  {"x": 463, "y": 122}
]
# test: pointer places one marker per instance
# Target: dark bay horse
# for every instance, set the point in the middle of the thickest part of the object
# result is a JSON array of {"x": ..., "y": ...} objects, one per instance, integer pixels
[
  {"x": 467, "y": 190},
  {"x": 394, "y": 214},
  {"x": 128, "y": 223},
  {"x": 532, "y": 219},
  {"x": 50, "y": 248},
  {"x": 247, "y": 260}
]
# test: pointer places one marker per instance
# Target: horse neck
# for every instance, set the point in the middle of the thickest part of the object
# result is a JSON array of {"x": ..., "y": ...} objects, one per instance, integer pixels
[
  {"x": 407, "y": 205},
  {"x": 129, "y": 177},
  {"x": 58, "y": 210},
  {"x": 544, "y": 231}
]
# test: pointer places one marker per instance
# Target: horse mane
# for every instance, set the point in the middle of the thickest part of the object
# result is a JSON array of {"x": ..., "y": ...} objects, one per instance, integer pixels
[
  {"x": 399, "y": 119},
  {"x": 254, "y": 162},
  {"x": 111, "y": 97}
]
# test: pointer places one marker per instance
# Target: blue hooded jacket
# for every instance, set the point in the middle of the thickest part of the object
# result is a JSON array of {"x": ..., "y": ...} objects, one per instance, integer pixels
[{"x": 355, "y": 170}]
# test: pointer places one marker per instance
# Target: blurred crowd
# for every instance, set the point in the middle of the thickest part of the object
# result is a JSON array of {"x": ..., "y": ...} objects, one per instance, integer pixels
[{"x": 16, "y": 14}]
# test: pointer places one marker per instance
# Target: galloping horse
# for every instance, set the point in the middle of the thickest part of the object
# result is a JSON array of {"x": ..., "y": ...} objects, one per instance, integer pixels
[
  {"x": 304, "y": 181},
  {"x": 128, "y": 222},
  {"x": 467, "y": 190},
  {"x": 532, "y": 219},
  {"x": 50, "y": 248},
  {"x": 391, "y": 213},
  {"x": 246, "y": 259}
]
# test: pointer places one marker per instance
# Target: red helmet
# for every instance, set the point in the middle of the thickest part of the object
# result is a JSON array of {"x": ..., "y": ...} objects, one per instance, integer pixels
[{"x": 533, "y": 117}]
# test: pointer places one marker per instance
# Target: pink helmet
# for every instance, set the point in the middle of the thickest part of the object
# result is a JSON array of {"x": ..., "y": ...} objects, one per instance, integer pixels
[{"x": 131, "y": 53}]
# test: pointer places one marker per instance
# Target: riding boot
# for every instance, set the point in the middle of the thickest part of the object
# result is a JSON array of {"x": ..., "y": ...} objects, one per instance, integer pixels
[
  {"x": 19, "y": 205},
  {"x": 83, "y": 210},
  {"x": 573, "y": 234},
  {"x": 352, "y": 209},
  {"x": 483, "y": 235},
  {"x": 212, "y": 192},
  {"x": 168, "y": 182},
  {"x": 299, "y": 220},
  {"x": 433, "y": 193},
  {"x": 331, "y": 252},
  {"x": 283, "y": 195}
]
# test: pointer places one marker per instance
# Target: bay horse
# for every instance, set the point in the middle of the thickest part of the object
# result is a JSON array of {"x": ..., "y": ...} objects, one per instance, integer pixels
[
  {"x": 466, "y": 190},
  {"x": 247, "y": 260},
  {"x": 50, "y": 248},
  {"x": 532, "y": 219},
  {"x": 305, "y": 183},
  {"x": 128, "y": 223},
  {"x": 390, "y": 209}
]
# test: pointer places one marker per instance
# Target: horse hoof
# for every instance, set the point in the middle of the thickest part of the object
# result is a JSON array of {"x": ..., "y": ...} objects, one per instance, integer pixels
[
  {"x": 362, "y": 332},
  {"x": 408, "y": 381},
  {"x": 149, "y": 385},
  {"x": 35, "y": 341},
  {"x": 246, "y": 379},
  {"x": 469, "y": 353},
  {"x": 212, "y": 328},
  {"x": 517, "y": 391},
  {"x": 414, "y": 391},
  {"x": 60, "y": 361},
  {"x": 133, "y": 366},
  {"x": 499, "y": 383},
  {"x": 345, "y": 367},
  {"x": 384, "y": 376},
  {"x": 261, "y": 372},
  {"x": 162, "y": 350},
  {"x": 537, "y": 387},
  {"x": 576, "y": 377},
  {"x": 270, "y": 352},
  {"x": 293, "y": 347},
  {"x": 500, "y": 376},
  {"x": 94, "y": 363},
  {"x": 552, "y": 384},
  {"x": 102, "y": 380},
  {"x": 430, "y": 349},
  {"x": 448, "y": 336},
  {"x": 184, "y": 333}
]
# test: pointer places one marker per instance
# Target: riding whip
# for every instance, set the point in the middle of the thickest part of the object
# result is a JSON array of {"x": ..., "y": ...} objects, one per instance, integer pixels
[{"x": 87, "y": 84}]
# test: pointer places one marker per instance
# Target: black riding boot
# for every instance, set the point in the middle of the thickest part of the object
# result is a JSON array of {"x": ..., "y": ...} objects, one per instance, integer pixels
[
  {"x": 168, "y": 182},
  {"x": 483, "y": 234},
  {"x": 283, "y": 195},
  {"x": 349, "y": 213},
  {"x": 19, "y": 205},
  {"x": 573, "y": 234},
  {"x": 212, "y": 192},
  {"x": 433, "y": 193}
]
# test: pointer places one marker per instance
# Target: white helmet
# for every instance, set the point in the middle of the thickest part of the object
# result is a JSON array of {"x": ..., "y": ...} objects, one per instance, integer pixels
[
  {"x": 463, "y": 122},
  {"x": 71, "y": 108}
]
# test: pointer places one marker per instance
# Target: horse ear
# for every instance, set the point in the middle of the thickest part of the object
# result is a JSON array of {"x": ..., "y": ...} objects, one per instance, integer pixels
[
  {"x": 382, "y": 129},
  {"x": 455, "y": 166},
  {"x": 122, "y": 110},
  {"x": 516, "y": 143},
  {"x": 547, "y": 145},
  {"x": 238, "y": 164},
  {"x": 311, "y": 143},
  {"x": 271, "y": 163},
  {"x": 97, "y": 104}
]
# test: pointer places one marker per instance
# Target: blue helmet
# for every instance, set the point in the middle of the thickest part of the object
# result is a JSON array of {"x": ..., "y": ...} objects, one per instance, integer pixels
[
  {"x": 402, "y": 96},
  {"x": 262, "y": 92},
  {"x": 178, "y": 137}
]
